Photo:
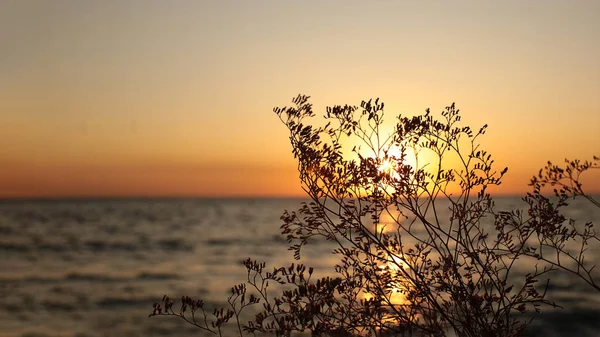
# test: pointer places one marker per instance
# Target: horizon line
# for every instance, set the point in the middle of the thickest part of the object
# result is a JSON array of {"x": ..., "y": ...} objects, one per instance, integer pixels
[{"x": 7, "y": 199}]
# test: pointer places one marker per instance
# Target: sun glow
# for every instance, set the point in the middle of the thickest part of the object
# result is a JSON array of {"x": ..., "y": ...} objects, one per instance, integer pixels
[
  {"x": 394, "y": 263},
  {"x": 396, "y": 296}
]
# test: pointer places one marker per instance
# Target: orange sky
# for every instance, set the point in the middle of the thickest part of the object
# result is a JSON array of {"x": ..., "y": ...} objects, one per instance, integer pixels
[{"x": 161, "y": 98}]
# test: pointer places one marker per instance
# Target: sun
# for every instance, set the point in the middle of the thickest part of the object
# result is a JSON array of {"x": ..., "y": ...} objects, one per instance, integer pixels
[
  {"x": 387, "y": 166},
  {"x": 392, "y": 167},
  {"x": 394, "y": 157}
]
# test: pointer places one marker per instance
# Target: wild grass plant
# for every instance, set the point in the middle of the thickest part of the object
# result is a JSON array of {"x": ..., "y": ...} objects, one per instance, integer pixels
[{"x": 422, "y": 273}]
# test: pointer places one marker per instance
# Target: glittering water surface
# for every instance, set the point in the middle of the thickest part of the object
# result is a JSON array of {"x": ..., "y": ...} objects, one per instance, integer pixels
[{"x": 94, "y": 268}]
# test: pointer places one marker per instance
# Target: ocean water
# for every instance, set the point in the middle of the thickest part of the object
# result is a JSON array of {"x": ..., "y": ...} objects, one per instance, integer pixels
[{"x": 94, "y": 268}]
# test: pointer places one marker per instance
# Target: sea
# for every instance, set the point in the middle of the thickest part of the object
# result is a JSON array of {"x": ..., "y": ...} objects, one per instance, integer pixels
[{"x": 90, "y": 268}]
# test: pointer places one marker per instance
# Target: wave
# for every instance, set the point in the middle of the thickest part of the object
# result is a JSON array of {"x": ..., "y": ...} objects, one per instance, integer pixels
[{"x": 89, "y": 277}]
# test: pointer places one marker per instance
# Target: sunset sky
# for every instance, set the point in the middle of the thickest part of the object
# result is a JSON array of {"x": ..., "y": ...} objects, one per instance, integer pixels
[{"x": 175, "y": 98}]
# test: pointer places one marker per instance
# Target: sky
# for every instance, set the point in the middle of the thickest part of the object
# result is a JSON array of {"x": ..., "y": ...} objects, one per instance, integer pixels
[{"x": 174, "y": 98}]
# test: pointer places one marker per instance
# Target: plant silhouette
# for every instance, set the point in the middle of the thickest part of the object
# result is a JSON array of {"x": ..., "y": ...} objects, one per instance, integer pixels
[{"x": 405, "y": 267}]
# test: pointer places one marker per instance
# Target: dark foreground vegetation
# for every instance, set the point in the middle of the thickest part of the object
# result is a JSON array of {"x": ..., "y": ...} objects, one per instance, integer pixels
[{"x": 455, "y": 275}]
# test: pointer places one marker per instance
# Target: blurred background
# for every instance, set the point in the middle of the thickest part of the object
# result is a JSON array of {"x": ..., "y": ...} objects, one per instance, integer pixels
[{"x": 140, "y": 155}]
